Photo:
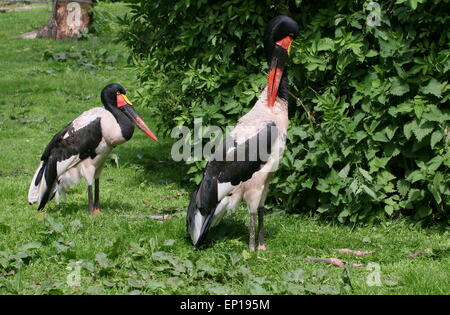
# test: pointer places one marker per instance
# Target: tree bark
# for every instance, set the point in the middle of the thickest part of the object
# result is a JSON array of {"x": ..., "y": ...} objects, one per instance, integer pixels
[
  {"x": 49, "y": 29},
  {"x": 69, "y": 18}
]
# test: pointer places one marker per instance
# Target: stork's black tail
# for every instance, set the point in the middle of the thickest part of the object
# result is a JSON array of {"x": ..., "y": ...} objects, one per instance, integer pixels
[{"x": 43, "y": 183}]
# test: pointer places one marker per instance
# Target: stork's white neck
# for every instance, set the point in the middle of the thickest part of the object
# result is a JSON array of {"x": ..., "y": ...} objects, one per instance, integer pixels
[{"x": 280, "y": 105}]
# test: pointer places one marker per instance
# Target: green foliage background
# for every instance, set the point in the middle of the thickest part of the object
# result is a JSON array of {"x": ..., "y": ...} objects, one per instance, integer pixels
[{"x": 379, "y": 95}]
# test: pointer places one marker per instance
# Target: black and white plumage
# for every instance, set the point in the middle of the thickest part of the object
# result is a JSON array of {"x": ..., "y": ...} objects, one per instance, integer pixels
[
  {"x": 80, "y": 149},
  {"x": 242, "y": 166}
]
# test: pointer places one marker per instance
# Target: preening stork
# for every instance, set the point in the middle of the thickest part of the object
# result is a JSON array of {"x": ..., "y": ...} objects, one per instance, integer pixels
[
  {"x": 242, "y": 165},
  {"x": 81, "y": 148}
]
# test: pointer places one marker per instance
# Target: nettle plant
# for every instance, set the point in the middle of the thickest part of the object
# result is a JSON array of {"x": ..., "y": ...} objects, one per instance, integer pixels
[{"x": 373, "y": 74}]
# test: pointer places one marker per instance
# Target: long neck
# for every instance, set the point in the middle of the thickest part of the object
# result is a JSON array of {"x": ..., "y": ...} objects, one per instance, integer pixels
[
  {"x": 126, "y": 125},
  {"x": 283, "y": 90}
]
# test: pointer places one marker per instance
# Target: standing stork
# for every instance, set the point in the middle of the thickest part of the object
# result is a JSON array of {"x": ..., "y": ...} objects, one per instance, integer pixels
[
  {"x": 81, "y": 148},
  {"x": 242, "y": 166}
]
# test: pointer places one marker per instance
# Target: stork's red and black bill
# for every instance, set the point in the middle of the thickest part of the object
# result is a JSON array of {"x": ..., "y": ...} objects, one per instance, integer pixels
[
  {"x": 280, "y": 55},
  {"x": 124, "y": 103}
]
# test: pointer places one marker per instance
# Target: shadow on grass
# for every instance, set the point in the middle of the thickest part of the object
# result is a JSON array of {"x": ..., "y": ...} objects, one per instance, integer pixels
[
  {"x": 231, "y": 227},
  {"x": 108, "y": 207},
  {"x": 157, "y": 164}
]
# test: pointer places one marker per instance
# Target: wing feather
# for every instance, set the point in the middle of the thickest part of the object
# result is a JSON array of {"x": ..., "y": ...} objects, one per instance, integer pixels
[
  {"x": 67, "y": 148},
  {"x": 232, "y": 164}
]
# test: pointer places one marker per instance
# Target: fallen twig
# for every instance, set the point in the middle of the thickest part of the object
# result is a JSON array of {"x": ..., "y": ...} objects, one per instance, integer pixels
[
  {"x": 153, "y": 217},
  {"x": 354, "y": 252},
  {"x": 261, "y": 258},
  {"x": 332, "y": 261},
  {"x": 426, "y": 251}
]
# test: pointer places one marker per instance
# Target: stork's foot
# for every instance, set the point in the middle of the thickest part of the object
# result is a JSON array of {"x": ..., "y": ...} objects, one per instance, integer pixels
[
  {"x": 94, "y": 211},
  {"x": 262, "y": 247}
]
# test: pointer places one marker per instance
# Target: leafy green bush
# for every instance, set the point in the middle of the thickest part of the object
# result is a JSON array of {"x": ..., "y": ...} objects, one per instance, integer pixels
[{"x": 379, "y": 94}]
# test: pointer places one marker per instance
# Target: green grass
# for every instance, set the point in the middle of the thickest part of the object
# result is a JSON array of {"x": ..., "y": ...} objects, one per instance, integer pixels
[{"x": 122, "y": 250}]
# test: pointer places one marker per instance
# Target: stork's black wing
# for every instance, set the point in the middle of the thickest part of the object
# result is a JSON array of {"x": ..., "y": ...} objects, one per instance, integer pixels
[
  {"x": 65, "y": 149},
  {"x": 230, "y": 165}
]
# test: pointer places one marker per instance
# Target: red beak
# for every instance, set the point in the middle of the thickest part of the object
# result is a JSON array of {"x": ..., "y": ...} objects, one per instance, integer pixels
[
  {"x": 141, "y": 124},
  {"x": 279, "y": 57},
  {"x": 274, "y": 82}
]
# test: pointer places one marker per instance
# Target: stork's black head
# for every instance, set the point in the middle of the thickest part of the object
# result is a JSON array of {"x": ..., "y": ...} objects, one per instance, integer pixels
[
  {"x": 113, "y": 96},
  {"x": 278, "y": 37},
  {"x": 278, "y": 29},
  {"x": 110, "y": 92}
]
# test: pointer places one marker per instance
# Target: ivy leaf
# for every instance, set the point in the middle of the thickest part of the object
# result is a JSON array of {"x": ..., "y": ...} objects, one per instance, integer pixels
[
  {"x": 32, "y": 245},
  {"x": 344, "y": 172},
  {"x": 435, "y": 138},
  {"x": 53, "y": 224},
  {"x": 391, "y": 149},
  {"x": 325, "y": 44},
  {"x": 433, "y": 113},
  {"x": 102, "y": 260},
  {"x": 398, "y": 87},
  {"x": 412, "y": 3},
  {"x": 433, "y": 87},
  {"x": 435, "y": 163},
  {"x": 390, "y": 131},
  {"x": 257, "y": 289},
  {"x": 415, "y": 176},
  {"x": 344, "y": 213},
  {"x": 294, "y": 276},
  {"x": 423, "y": 130},
  {"x": 389, "y": 210},
  {"x": 380, "y": 137},
  {"x": 169, "y": 242},
  {"x": 365, "y": 174},
  {"x": 371, "y": 53},
  {"x": 378, "y": 163},
  {"x": 409, "y": 127},
  {"x": 403, "y": 187},
  {"x": 75, "y": 225},
  {"x": 369, "y": 191},
  {"x": 415, "y": 195},
  {"x": 435, "y": 187}
]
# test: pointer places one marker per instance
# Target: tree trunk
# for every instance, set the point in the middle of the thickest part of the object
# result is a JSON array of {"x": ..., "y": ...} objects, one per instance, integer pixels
[
  {"x": 49, "y": 29},
  {"x": 68, "y": 19}
]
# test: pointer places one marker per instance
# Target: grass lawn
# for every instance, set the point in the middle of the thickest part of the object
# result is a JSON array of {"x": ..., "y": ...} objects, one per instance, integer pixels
[{"x": 44, "y": 85}]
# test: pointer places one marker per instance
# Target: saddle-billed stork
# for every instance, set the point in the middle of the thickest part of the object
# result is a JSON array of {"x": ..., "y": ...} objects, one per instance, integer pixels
[
  {"x": 239, "y": 169},
  {"x": 81, "y": 148}
]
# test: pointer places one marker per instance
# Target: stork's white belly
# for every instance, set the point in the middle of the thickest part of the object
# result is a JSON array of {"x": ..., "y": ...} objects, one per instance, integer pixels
[{"x": 89, "y": 168}]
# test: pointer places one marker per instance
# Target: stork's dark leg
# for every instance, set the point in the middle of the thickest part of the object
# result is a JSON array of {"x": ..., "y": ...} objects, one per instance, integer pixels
[
  {"x": 252, "y": 231},
  {"x": 261, "y": 245},
  {"x": 91, "y": 201},
  {"x": 97, "y": 196}
]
